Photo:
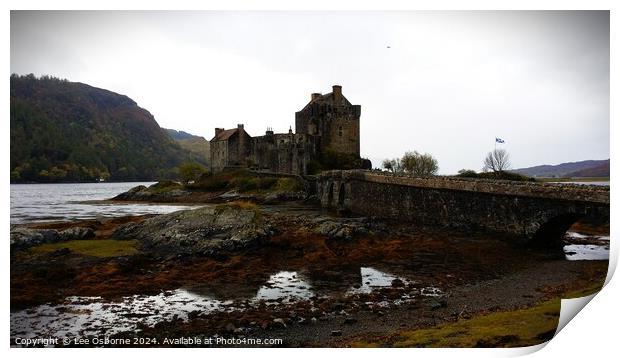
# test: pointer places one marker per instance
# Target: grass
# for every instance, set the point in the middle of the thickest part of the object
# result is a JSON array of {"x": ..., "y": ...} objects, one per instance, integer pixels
[
  {"x": 165, "y": 186},
  {"x": 517, "y": 328},
  {"x": 97, "y": 248},
  {"x": 245, "y": 181},
  {"x": 242, "y": 205},
  {"x": 239, "y": 204}
]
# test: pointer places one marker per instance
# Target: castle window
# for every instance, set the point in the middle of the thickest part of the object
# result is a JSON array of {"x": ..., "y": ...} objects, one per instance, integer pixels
[{"x": 340, "y": 131}]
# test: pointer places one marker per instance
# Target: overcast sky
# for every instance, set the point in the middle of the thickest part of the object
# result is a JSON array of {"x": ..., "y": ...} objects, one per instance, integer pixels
[{"x": 449, "y": 83}]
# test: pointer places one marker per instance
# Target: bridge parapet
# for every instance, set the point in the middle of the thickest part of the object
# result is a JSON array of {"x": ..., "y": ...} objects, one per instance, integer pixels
[{"x": 586, "y": 193}]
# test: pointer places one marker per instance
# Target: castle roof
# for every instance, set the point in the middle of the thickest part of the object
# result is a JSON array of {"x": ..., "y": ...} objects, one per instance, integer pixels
[
  {"x": 225, "y": 134},
  {"x": 327, "y": 98}
]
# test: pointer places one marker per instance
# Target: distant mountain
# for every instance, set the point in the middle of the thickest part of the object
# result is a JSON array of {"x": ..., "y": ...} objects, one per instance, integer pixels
[
  {"x": 196, "y": 145},
  {"x": 179, "y": 135},
  {"x": 65, "y": 131},
  {"x": 601, "y": 170},
  {"x": 586, "y": 168}
]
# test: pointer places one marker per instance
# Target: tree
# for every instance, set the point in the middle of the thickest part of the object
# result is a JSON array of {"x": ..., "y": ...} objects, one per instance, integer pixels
[
  {"x": 191, "y": 171},
  {"x": 497, "y": 161},
  {"x": 419, "y": 164},
  {"x": 393, "y": 165}
]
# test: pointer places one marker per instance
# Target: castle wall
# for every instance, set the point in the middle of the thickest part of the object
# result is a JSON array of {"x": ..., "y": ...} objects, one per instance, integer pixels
[
  {"x": 283, "y": 153},
  {"x": 342, "y": 136},
  {"x": 219, "y": 155}
]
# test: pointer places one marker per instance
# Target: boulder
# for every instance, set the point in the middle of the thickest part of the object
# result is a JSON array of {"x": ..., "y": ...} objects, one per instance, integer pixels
[
  {"x": 203, "y": 231},
  {"x": 77, "y": 233},
  {"x": 23, "y": 237}
]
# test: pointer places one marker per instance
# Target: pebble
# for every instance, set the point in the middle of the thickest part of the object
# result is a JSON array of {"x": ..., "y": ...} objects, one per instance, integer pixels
[{"x": 279, "y": 322}]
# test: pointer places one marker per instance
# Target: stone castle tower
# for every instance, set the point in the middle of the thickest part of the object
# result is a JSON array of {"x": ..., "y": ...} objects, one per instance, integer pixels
[{"x": 332, "y": 118}]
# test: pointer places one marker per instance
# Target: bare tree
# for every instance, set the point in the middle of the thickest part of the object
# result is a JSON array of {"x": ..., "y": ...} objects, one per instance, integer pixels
[
  {"x": 497, "y": 161},
  {"x": 420, "y": 164}
]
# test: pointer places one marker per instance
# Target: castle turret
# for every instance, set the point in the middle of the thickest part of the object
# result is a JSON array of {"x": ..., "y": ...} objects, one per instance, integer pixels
[{"x": 333, "y": 120}]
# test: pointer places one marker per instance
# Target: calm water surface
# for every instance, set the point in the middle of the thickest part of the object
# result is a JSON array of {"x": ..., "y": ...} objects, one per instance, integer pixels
[{"x": 47, "y": 202}]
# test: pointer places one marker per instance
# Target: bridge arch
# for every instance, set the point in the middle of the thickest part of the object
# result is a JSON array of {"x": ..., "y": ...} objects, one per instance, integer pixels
[
  {"x": 330, "y": 194},
  {"x": 550, "y": 232},
  {"x": 341, "y": 196}
]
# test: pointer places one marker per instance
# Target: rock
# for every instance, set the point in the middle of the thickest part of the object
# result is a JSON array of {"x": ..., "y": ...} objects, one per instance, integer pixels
[
  {"x": 397, "y": 282},
  {"x": 437, "y": 304},
  {"x": 313, "y": 320},
  {"x": 279, "y": 323},
  {"x": 336, "y": 333},
  {"x": 164, "y": 191},
  {"x": 271, "y": 199},
  {"x": 23, "y": 237},
  {"x": 230, "y": 327},
  {"x": 77, "y": 233},
  {"x": 338, "y": 306},
  {"x": 340, "y": 229},
  {"x": 211, "y": 231}
]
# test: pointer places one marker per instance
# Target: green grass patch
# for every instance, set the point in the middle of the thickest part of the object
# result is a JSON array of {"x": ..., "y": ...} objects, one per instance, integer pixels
[
  {"x": 518, "y": 328},
  {"x": 165, "y": 186},
  {"x": 288, "y": 184},
  {"x": 245, "y": 181},
  {"x": 242, "y": 205},
  {"x": 97, "y": 248}
]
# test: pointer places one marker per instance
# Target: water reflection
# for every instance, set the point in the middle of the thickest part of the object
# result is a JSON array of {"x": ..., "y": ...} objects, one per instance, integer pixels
[
  {"x": 586, "y": 252},
  {"x": 586, "y": 247},
  {"x": 373, "y": 279},
  {"x": 84, "y": 316},
  {"x": 284, "y": 286}
]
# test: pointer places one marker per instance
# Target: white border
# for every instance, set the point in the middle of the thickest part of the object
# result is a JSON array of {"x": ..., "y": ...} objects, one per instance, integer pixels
[{"x": 591, "y": 332}]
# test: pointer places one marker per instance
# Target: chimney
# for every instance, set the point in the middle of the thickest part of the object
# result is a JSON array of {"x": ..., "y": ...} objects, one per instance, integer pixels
[
  {"x": 337, "y": 91},
  {"x": 239, "y": 126},
  {"x": 218, "y": 131},
  {"x": 315, "y": 96}
]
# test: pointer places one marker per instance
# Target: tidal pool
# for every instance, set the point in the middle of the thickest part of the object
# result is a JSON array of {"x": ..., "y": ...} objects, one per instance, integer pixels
[{"x": 93, "y": 316}]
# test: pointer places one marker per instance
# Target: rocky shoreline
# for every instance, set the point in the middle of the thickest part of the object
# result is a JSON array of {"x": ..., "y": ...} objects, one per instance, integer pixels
[{"x": 281, "y": 270}]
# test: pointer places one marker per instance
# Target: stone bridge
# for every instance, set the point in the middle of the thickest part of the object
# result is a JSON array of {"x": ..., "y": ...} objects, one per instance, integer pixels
[{"x": 536, "y": 213}]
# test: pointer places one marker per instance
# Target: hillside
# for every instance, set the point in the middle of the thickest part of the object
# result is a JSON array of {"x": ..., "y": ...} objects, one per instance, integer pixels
[
  {"x": 601, "y": 170},
  {"x": 196, "y": 145},
  {"x": 65, "y": 131},
  {"x": 179, "y": 135},
  {"x": 586, "y": 168}
]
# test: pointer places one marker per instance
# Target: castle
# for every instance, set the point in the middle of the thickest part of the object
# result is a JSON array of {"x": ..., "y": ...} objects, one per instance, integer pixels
[{"x": 329, "y": 123}]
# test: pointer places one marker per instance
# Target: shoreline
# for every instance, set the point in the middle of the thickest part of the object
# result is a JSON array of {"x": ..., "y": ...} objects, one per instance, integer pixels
[{"x": 476, "y": 275}]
